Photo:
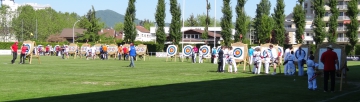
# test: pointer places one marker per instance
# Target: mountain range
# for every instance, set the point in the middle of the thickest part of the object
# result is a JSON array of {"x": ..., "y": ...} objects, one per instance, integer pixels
[{"x": 110, "y": 17}]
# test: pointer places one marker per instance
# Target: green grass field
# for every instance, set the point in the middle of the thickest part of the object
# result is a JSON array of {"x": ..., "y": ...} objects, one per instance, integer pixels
[{"x": 80, "y": 80}]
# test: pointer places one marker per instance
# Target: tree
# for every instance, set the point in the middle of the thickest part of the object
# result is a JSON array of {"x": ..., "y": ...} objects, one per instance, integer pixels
[
  {"x": 92, "y": 26},
  {"x": 226, "y": 22},
  {"x": 160, "y": 21},
  {"x": 333, "y": 23},
  {"x": 119, "y": 26},
  {"x": 318, "y": 24},
  {"x": 352, "y": 27},
  {"x": 175, "y": 26},
  {"x": 147, "y": 24},
  {"x": 191, "y": 21},
  {"x": 263, "y": 8},
  {"x": 205, "y": 34},
  {"x": 129, "y": 24},
  {"x": 279, "y": 18},
  {"x": 5, "y": 22},
  {"x": 23, "y": 24},
  {"x": 299, "y": 20},
  {"x": 266, "y": 27},
  {"x": 240, "y": 24}
]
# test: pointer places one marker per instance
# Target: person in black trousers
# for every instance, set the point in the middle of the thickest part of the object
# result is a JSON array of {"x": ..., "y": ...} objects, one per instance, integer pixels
[{"x": 220, "y": 58}]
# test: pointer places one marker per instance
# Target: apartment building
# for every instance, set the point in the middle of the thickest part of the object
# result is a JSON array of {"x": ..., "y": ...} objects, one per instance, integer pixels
[{"x": 308, "y": 34}]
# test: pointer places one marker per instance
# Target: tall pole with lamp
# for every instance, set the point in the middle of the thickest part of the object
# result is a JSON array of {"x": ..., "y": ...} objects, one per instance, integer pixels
[{"x": 74, "y": 31}]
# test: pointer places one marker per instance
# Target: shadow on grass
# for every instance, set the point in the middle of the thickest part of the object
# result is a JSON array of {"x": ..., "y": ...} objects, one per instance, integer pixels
[{"x": 256, "y": 88}]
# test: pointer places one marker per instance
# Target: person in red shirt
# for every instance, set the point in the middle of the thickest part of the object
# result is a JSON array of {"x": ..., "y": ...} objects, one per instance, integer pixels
[
  {"x": 47, "y": 50},
  {"x": 14, "y": 49},
  {"x": 125, "y": 51},
  {"x": 329, "y": 59},
  {"x": 22, "y": 55}
]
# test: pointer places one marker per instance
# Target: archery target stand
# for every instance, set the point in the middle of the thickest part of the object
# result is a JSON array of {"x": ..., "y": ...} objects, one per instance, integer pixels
[
  {"x": 31, "y": 51},
  {"x": 186, "y": 53},
  {"x": 72, "y": 49},
  {"x": 112, "y": 50},
  {"x": 340, "y": 51},
  {"x": 83, "y": 49},
  {"x": 240, "y": 52},
  {"x": 141, "y": 51},
  {"x": 171, "y": 52},
  {"x": 206, "y": 51}
]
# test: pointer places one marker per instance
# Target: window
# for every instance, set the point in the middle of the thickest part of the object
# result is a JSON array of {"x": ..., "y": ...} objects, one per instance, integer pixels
[
  {"x": 306, "y": 5},
  {"x": 192, "y": 36},
  {"x": 340, "y": 2},
  {"x": 327, "y": 13},
  {"x": 307, "y": 34},
  {"x": 340, "y": 24},
  {"x": 341, "y": 13}
]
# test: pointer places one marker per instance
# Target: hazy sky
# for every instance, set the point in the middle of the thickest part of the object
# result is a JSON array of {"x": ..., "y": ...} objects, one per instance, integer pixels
[{"x": 145, "y": 9}]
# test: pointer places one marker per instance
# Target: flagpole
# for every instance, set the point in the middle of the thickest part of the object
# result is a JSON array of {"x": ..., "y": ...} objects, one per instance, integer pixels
[
  {"x": 215, "y": 27},
  {"x": 182, "y": 44}
]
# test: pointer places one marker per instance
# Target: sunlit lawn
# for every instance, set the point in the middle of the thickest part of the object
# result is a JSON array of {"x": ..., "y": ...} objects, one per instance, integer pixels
[{"x": 155, "y": 80}]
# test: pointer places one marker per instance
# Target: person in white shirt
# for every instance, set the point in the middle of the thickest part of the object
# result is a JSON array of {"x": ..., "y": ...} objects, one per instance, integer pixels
[
  {"x": 231, "y": 61},
  {"x": 88, "y": 52},
  {"x": 67, "y": 51},
  {"x": 267, "y": 56},
  {"x": 274, "y": 58},
  {"x": 257, "y": 60},
  {"x": 311, "y": 73},
  {"x": 290, "y": 58},
  {"x": 300, "y": 55},
  {"x": 201, "y": 55},
  {"x": 226, "y": 51},
  {"x": 286, "y": 54},
  {"x": 93, "y": 52}
]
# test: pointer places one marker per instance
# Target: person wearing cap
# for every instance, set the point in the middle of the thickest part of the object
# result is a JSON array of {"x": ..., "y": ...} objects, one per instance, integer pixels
[
  {"x": 132, "y": 54},
  {"x": 300, "y": 55},
  {"x": 14, "y": 49},
  {"x": 331, "y": 64}
]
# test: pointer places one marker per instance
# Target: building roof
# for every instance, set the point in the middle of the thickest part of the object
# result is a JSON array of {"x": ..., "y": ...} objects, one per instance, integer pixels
[
  {"x": 142, "y": 29},
  {"x": 201, "y": 31},
  {"x": 68, "y": 32},
  {"x": 107, "y": 32}
]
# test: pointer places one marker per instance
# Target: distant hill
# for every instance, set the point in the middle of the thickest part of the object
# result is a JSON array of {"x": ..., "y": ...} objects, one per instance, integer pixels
[{"x": 111, "y": 17}]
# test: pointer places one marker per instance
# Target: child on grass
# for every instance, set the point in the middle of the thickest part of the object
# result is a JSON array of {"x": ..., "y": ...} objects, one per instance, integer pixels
[{"x": 311, "y": 72}]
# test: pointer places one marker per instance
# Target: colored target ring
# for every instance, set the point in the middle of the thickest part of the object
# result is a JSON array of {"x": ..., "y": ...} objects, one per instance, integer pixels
[
  {"x": 171, "y": 50},
  {"x": 28, "y": 48},
  {"x": 238, "y": 52},
  {"x": 205, "y": 50},
  {"x": 187, "y": 50}
]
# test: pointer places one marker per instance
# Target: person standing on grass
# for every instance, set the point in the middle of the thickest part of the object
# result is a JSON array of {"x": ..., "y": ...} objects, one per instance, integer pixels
[
  {"x": 195, "y": 49},
  {"x": 193, "y": 54},
  {"x": 300, "y": 54},
  {"x": 330, "y": 60},
  {"x": 286, "y": 54},
  {"x": 22, "y": 55},
  {"x": 221, "y": 60},
  {"x": 105, "y": 52},
  {"x": 275, "y": 57},
  {"x": 311, "y": 73},
  {"x": 93, "y": 52},
  {"x": 257, "y": 60},
  {"x": 251, "y": 54},
  {"x": 125, "y": 53},
  {"x": 231, "y": 62},
  {"x": 63, "y": 51},
  {"x": 213, "y": 55},
  {"x": 201, "y": 57},
  {"x": 226, "y": 56},
  {"x": 267, "y": 56},
  {"x": 14, "y": 49},
  {"x": 132, "y": 53},
  {"x": 120, "y": 52},
  {"x": 290, "y": 66}
]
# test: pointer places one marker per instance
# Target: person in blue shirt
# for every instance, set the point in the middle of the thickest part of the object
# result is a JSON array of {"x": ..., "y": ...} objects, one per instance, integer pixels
[
  {"x": 213, "y": 55},
  {"x": 132, "y": 54},
  {"x": 251, "y": 53}
]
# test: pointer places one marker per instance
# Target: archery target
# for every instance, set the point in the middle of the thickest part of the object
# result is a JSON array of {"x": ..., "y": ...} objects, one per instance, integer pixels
[
  {"x": 28, "y": 48},
  {"x": 171, "y": 50},
  {"x": 238, "y": 52},
  {"x": 281, "y": 50},
  {"x": 187, "y": 50},
  {"x": 205, "y": 50}
]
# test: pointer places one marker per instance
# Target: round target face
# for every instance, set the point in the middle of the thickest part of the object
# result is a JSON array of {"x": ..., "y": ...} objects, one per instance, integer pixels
[
  {"x": 28, "y": 48},
  {"x": 83, "y": 48},
  {"x": 187, "y": 50},
  {"x": 171, "y": 50},
  {"x": 280, "y": 49},
  {"x": 205, "y": 50},
  {"x": 238, "y": 52},
  {"x": 72, "y": 48}
]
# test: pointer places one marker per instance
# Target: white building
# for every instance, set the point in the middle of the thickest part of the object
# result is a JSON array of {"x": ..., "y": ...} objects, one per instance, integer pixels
[{"x": 144, "y": 35}]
